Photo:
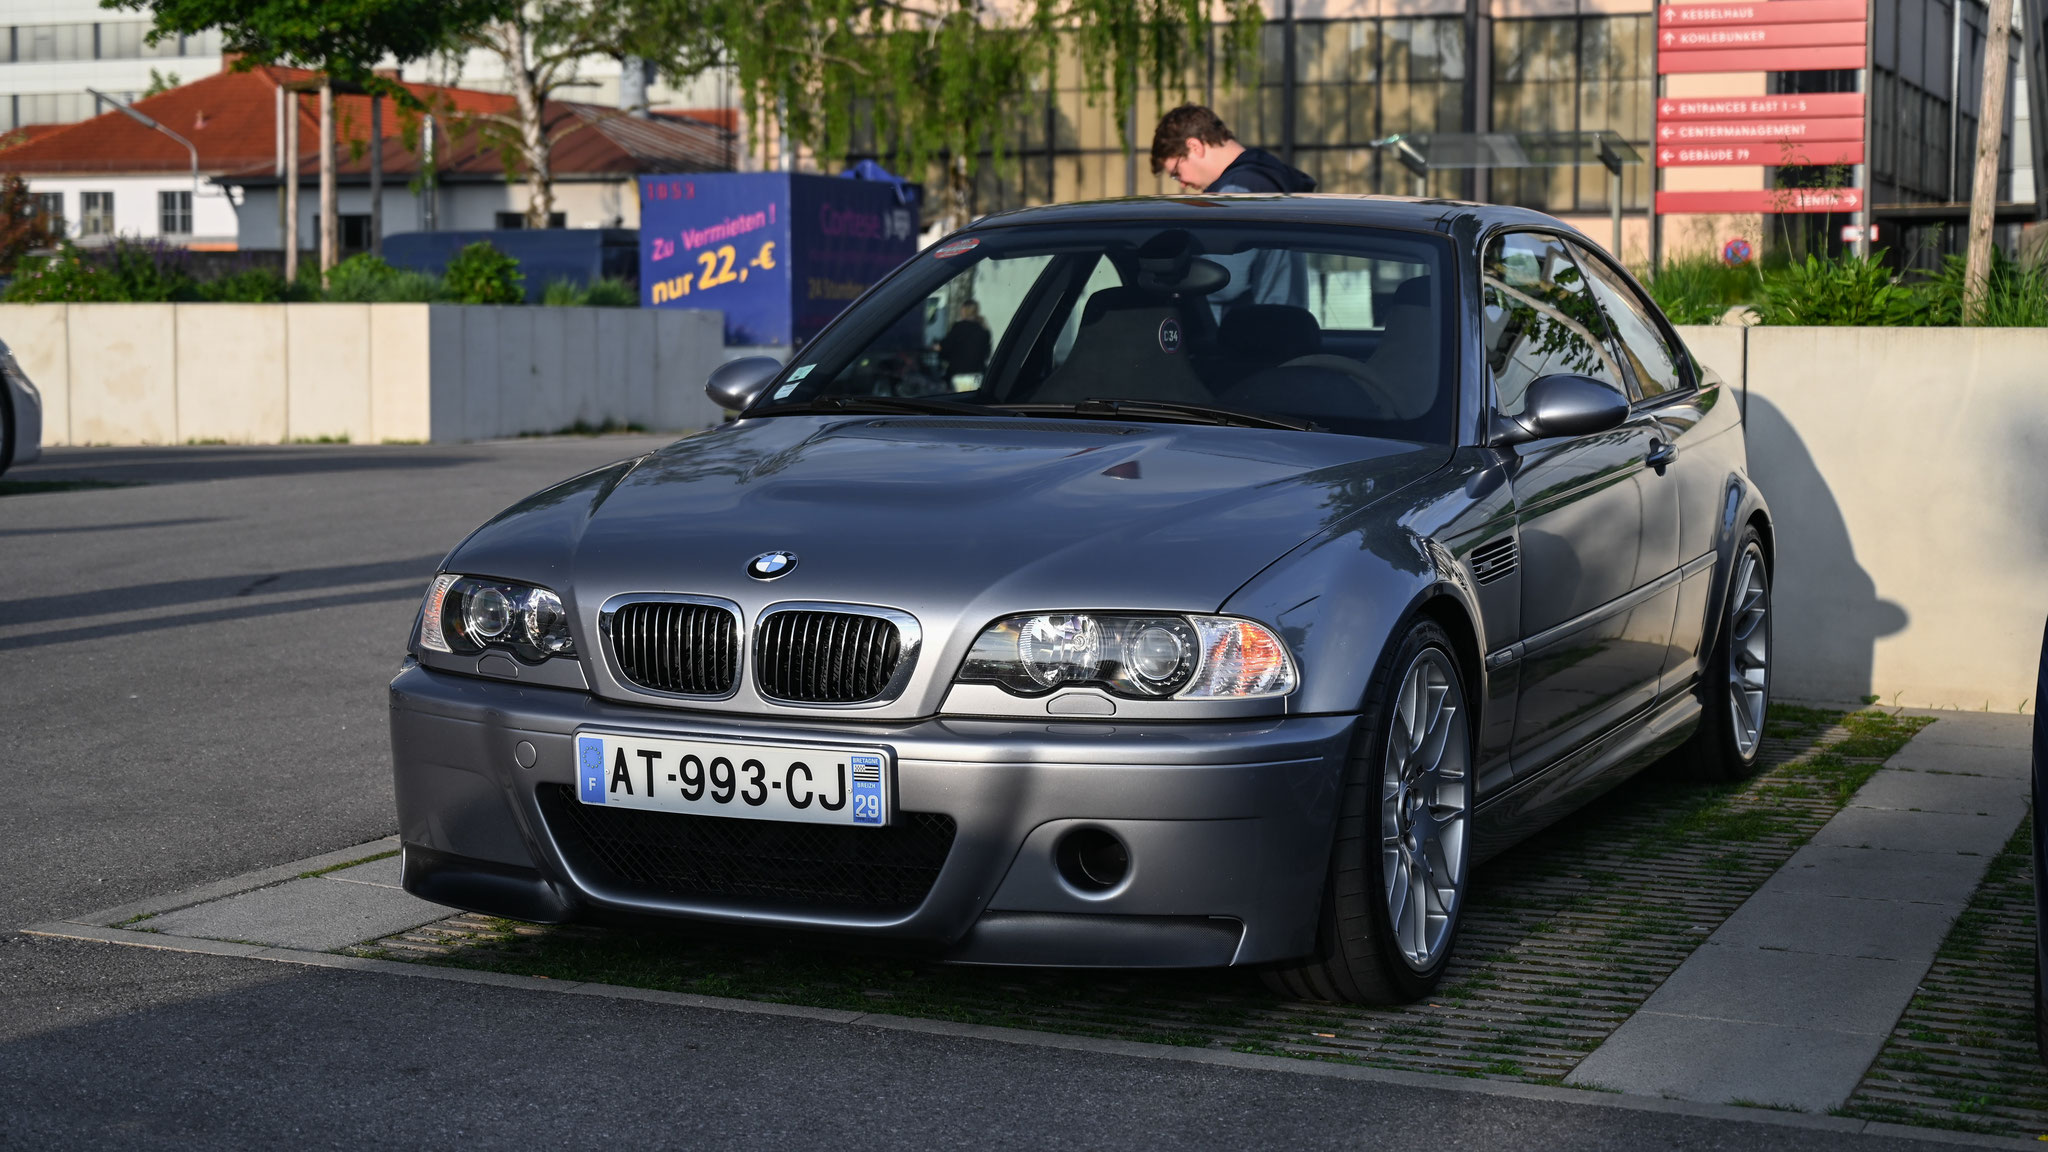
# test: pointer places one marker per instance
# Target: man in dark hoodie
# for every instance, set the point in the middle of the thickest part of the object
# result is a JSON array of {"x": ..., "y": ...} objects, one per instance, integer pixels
[{"x": 1195, "y": 148}]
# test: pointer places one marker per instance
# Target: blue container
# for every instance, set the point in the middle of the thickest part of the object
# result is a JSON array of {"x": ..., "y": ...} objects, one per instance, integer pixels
[
  {"x": 577, "y": 255},
  {"x": 779, "y": 253}
]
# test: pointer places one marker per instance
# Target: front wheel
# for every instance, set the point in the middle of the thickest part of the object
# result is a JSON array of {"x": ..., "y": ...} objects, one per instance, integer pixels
[
  {"x": 1402, "y": 857},
  {"x": 1735, "y": 684}
]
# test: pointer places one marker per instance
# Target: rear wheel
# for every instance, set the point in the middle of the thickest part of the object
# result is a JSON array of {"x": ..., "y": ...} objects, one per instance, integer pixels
[
  {"x": 7, "y": 451},
  {"x": 1402, "y": 857},
  {"x": 1735, "y": 685}
]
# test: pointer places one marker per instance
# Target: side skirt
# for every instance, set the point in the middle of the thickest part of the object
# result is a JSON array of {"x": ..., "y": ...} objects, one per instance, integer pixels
[{"x": 1528, "y": 806}]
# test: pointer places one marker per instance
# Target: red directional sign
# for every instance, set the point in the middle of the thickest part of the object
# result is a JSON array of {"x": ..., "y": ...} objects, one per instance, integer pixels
[
  {"x": 1762, "y": 200},
  {"x": 1764, "y": 12},
  {"x": 1760, "y": 36},
  {"x": 1815, "y": 152},
  {"x": 1758, "y": 131},
  {"x": 1830, "y": 104},
  {"x": 1762, "y": 59}
]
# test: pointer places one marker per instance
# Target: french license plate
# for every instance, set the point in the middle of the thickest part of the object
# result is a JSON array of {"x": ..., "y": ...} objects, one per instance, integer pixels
[{"x": 804, "y": 783}]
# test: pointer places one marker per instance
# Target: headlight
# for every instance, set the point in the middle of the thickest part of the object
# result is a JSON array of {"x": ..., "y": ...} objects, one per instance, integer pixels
[
  {"x": 1146, "y": 657},
  {"x": 465, "y": 615}
]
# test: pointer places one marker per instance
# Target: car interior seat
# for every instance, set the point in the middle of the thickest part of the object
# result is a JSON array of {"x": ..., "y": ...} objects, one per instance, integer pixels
[
  {"x": 1132, "y": 345},
  {"x": 1404, "y": 364}
]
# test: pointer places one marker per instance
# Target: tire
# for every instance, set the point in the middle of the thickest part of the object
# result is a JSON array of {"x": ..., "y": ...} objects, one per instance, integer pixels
[
  {"x": 1360, "y": 957},
  {"x": 7, "y": 449},
  {"x": 1735, "y": 684}
]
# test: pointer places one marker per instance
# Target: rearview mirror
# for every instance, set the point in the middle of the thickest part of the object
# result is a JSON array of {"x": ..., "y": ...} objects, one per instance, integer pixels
[
  {"x": 1564, "y": 404},
  {"x": 736, "y": 383}
]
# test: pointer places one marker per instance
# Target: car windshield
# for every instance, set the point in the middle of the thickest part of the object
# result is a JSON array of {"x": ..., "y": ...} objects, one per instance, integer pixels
[{"x": 1335, "y": 329}]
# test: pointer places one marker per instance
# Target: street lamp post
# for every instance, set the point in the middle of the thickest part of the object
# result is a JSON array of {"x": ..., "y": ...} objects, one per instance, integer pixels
[{"x": 148, "y": 122}]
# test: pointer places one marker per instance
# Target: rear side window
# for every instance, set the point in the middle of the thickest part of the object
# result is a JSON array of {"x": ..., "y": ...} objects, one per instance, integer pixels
[
  {"x": 1649, "y": 356},
  {"x": 1539, "y": 318}
]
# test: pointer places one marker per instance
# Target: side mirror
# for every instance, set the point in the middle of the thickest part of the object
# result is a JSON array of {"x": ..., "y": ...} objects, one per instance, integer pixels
[
  {"x": 1564, "y": 404},
  {"x": 736, "y": 383}
]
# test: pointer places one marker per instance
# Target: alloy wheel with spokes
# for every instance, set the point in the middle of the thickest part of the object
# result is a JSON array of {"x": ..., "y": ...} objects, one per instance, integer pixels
[
  {"x": 1425, "y": 802},
  {"x": 1749, "y": 651},
  {"x": 1401, "y": 857}
]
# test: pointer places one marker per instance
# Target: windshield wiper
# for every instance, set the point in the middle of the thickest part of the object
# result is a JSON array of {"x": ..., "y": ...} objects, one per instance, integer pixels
[
  {"x": 1173, "y": 409},
  {"x": 914, "y": 405}
]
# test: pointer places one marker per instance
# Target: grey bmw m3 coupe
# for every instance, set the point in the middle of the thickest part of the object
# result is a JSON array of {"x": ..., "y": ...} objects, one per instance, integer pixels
[{"x": 1271, "y": 563}]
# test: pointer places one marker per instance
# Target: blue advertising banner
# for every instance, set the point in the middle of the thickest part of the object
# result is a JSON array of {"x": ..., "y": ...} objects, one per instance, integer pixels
[
  {"x": 844, "y": 236},
  {"x": 719, "y": 240},
  {"x": 780, "y": 254}
]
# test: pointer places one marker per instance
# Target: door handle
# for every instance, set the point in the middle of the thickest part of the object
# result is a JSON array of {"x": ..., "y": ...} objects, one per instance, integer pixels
[{"x": 1661, "y": 455}]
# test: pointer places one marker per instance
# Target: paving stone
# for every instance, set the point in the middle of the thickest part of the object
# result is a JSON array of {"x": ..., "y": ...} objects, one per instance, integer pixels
[
  {"x": 1970, "y": 759},
  {"x": 1913, "y": 790},
  {"x": 1789, "y": 989},
  {"x": 1838, "y": 926},
  {"x": 315, "y": 914},
  {"x": 383, "y": 873},
  {"x": 1934, "y": 832},
  {"x": 1982, "y": 729},
  {"x": 1929, "y": 877},
  {"x": 1723, "y": 1062}
]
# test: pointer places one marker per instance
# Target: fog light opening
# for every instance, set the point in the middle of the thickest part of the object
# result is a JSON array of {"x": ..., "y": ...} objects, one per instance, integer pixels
[{"x": 1092, "y": 860}]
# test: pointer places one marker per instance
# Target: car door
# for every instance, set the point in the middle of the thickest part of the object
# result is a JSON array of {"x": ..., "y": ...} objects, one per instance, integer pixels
[
  {"x": 1689, "y": 488},
  {"x": 1595, "y": 620}
]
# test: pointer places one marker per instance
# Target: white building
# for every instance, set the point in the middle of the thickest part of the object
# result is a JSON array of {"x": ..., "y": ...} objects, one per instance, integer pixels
[{"x": 115, "y": 176}]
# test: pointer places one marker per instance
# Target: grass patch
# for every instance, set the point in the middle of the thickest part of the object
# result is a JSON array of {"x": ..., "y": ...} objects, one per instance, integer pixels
[
  {"x": 347, "y": 864},
  {"x": 38, "y": 487},
  {"x": 341, "y": 439}
]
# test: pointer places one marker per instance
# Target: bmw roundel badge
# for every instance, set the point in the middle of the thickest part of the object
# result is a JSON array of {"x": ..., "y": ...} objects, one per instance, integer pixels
[{"x": 769, "y": 565}]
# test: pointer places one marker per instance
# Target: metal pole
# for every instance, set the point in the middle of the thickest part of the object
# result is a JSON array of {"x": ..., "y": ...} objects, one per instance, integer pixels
[
  {"x": 330, "y": 224},
  {"x": 1863, "y": 215},
  {"x": 147, "y": 122},
  {"x": 291, "y": 192},
  {"x": 376, "y": 175},
  {"x": 1287, "y": 82},
  {"x": 1614, "y": 209}
]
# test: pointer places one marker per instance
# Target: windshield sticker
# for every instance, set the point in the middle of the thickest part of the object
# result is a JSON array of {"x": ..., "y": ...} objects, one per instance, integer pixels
[
  {"x": 800, "y": 373},
  {"x": 956, "y": 247},
  {"x": 785, "y": 390},
  {"x": 1169, "y": 336}
]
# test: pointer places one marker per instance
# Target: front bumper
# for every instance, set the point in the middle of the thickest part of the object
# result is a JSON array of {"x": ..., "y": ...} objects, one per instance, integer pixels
[{"x": 1228, "y": 824}]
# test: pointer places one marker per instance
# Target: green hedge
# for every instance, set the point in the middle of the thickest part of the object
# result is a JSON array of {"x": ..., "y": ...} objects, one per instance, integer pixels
[{"x": 128, "y": 271}]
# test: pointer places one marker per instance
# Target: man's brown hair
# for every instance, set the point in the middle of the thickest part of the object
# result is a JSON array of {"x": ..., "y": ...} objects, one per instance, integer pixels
[{"x": 1170, "y": 139}]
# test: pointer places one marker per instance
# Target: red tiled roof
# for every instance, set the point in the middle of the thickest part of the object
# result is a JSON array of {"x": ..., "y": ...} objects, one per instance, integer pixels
[
  {"x": 230, "y": 117},
  {"x": 14, "y": 138}
]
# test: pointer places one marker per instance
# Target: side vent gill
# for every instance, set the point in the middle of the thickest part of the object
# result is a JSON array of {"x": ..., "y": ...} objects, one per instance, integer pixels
[{"x": 1493, "y": 560}]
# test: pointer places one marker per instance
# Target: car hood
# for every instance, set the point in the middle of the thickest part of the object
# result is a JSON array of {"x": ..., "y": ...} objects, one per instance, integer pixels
[{"x": 956, "y": 521}]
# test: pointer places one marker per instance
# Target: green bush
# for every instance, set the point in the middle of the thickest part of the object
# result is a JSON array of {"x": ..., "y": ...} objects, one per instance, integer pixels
[
  {"x": 367, "y": 279},
  {"x": 611, "y": 293},
  {"x": 1841, "y": 292},
  {"x": 605, "y": 292},
  {"x": 256, "y": 286},
  {"x": 480, "y": 274},
  {"x": 63, "y": 277},
  {"x": 1700, "y": 289},
  {"x": 2015, "y": 297},
  {"x": 148, "y": 273}
]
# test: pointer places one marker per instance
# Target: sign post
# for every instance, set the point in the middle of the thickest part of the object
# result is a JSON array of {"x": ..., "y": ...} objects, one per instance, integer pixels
[{"x": 1786, "y": 130}]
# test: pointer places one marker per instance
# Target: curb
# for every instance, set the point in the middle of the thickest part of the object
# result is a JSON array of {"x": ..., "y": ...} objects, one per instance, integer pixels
[{"x": 103, "y": 934}]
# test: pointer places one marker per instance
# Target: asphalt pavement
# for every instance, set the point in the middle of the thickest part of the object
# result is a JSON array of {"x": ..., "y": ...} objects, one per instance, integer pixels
[{"x": 191, "y": 688}]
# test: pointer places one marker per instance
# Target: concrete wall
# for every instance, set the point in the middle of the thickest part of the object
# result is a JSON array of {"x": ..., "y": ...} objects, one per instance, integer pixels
[
  {"x": 367, "y": 373},
  {"x": 1901, "y": 468}
]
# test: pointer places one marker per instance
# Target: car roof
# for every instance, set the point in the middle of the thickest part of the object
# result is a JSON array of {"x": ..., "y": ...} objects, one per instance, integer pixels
[{"x": 1312, "y": 208}]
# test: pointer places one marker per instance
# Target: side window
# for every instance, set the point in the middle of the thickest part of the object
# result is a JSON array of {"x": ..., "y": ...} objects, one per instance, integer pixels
[
  {"x": 1642, "y": 342},
  {"x": 945, "y": 344},
  {"x": 1538, "y": 318}
]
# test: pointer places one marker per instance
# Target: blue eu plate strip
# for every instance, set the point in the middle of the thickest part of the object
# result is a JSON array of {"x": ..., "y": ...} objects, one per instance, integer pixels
[
  {"x": 590, "y": 768},
  {"x": 867, "y": 789}
]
